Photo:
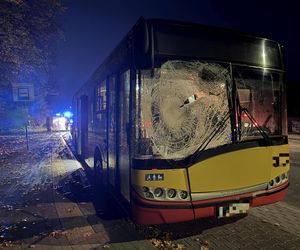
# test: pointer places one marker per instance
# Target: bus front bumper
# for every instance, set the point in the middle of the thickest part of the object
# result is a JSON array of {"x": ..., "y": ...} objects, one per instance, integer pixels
[{"x": 156, "y": 212}]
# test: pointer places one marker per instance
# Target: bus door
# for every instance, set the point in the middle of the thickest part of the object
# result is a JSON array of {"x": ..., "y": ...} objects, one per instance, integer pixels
[
  {"x": 82, "y": 126},
  {"x": 111, "y": 128},
  {"x": 123, "y": 163}
]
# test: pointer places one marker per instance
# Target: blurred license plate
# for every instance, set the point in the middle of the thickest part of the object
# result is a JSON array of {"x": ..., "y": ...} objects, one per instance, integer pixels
[{"x": 233, "y": 209}]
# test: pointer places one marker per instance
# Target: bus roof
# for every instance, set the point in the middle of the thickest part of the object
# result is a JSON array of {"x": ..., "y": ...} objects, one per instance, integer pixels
[{"x": 151, "y": 41}]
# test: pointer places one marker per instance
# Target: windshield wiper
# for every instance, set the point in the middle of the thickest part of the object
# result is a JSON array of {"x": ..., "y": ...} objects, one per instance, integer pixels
[
  {"x": 209, "y": 138},
  {"x": 255, "y": 123}
]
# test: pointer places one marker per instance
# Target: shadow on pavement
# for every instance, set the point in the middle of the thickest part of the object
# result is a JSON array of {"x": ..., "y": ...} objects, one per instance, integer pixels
[
  {"x": 110, "y": 213},
  {"x": 186, "y": 229},
  {"x": 81, "y": 186},
  {"x": 109, "y": 210},
  {"x": 76, "y": 207}
]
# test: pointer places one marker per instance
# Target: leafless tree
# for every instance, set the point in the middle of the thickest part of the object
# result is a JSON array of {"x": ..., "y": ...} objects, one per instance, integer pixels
[{"x": 29, "y": 33}]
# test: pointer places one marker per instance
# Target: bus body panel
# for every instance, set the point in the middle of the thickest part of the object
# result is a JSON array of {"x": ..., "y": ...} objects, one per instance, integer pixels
[
  {"x": 236, "y": 170},
  {"x": 155, "y": 212},
  {"x": 172, "y": 178},
  {"x": 280, "y": 160}
]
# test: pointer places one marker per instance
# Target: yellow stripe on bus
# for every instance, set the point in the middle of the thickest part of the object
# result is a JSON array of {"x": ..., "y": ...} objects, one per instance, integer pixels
[
  {"x": 228, "y": 171},
  {"x": 237, "y": 169}
]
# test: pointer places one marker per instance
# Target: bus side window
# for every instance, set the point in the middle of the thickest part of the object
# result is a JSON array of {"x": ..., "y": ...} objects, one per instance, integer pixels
[
  {"x": 100, "y": 106},
  {"x": 124, "y": 148},
  {"x": 112, "y": 130}
]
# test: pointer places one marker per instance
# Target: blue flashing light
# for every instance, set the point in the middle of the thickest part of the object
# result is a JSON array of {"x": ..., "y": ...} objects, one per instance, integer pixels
[
  {"x": 68, "y": 114},
  {"x": 71, "y": 121},
  {"x": 58, "y": 114}
]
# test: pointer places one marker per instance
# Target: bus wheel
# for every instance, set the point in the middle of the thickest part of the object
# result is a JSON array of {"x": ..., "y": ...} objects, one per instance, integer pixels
[{"x": 98, "y": 167}]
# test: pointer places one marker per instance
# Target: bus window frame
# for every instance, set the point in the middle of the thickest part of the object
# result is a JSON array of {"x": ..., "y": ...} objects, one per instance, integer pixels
[
  {"x": 113, "y": 113},
  {"x": 120, "y": 127},
  {"x": 100, "y": 113}
]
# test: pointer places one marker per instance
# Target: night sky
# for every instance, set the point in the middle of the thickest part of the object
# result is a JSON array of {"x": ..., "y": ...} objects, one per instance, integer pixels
[{"x": 94, "y": 27}]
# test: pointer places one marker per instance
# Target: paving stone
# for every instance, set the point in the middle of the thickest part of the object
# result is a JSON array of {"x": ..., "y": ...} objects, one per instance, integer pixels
[{"x": 82, "y": 228}]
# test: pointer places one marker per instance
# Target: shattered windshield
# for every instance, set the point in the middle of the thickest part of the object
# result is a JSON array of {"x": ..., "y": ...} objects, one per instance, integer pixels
[
  {"x": 179, "y": 107},
  {"x": 259, "y": 94}
]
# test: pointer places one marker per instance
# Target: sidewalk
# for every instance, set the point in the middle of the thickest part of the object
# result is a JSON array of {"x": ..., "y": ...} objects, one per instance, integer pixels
[
  {"x": 48, "y": 203},
  {"x": 294, "y": 136},
  {"x": 58, "y": 208}
]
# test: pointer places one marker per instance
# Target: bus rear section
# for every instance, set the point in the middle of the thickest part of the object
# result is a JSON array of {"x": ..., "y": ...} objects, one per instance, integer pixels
[{"x": 210, "y": 142}]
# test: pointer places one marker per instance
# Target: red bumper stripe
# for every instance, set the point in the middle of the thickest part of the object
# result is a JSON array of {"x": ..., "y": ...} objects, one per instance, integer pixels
[{"x": 153, "y": 212}]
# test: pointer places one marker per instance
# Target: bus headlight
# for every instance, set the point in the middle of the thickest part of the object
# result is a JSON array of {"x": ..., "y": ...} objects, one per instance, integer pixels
[
  {"x": 162, "y": 194},
  {"x": 171, "y": 193},
  {"x": 282, "y": 178},
  {"x": 148, "y": 195},
  {"x": 146, "y": 192},
  {"x": 183, "y": 195},
  {"x": 158, "y": 192}
]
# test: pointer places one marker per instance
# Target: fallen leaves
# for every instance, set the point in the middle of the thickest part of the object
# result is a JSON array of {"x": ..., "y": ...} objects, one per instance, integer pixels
[
  {"x": 7, "y": 207},
  {"x": 11, "y": 145},
  {"x": 204, "y": 246},
  {"x": 167, "y": 245},
  {"x": 6, "y": 244},
  {"x": 163, "y": 240},
  {"x": 71, "y": 209},
  {"x": 57, "y": 234},
  {"x": 88, "y": 234}
]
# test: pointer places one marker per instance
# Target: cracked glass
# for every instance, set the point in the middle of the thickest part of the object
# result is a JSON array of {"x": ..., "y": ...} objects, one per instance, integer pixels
[{"x": 179, "y": 106}]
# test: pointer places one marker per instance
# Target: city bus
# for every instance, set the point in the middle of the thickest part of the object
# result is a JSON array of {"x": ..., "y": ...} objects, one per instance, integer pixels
[{"x": 184, "y": 121}]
